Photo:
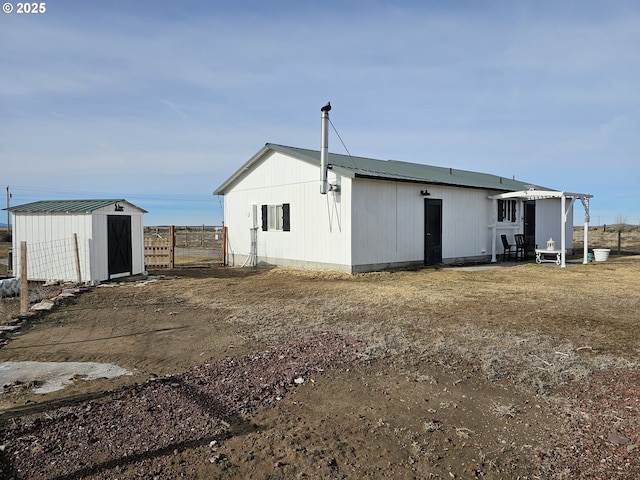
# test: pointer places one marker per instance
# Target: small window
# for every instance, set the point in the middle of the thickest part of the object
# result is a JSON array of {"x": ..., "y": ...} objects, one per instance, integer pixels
[
  {"x": 507, "y": 210},
  {"x": 275, "y": 217}
]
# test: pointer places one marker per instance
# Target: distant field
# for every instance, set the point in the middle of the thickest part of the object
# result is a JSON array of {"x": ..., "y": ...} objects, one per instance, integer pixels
[{"x": 607, "y": 237}]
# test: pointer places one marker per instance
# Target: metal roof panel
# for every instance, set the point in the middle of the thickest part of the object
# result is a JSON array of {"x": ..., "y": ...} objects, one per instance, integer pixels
[
  {"x": 405, "y": 171},
  {"x": 391, "y": 170},
  {"x": 57, "y": 206}
]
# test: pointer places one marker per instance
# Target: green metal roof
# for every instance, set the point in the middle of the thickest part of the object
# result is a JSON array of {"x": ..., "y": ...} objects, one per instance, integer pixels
[
  {"x": 393, "y": 170},
  {"x": 58, "y": 206}
]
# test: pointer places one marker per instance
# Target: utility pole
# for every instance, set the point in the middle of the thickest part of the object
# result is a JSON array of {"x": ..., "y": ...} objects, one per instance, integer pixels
[{"x": 8, "y": 213}]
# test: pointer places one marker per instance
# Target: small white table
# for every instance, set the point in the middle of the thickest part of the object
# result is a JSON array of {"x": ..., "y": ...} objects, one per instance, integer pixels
[{"x": 541, "y": 252}]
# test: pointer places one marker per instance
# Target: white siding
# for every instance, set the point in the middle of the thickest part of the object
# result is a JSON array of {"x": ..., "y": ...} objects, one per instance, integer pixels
[
  {"x": 569, "y": 230},
  {"x": 137, "y": 244},
  {"x": 466, "y": 216},
  {"x": 388, "y": 222},
  {"x": 50, "y": 245},
  {"x": 320, "y": 224},
  {"x": 549, "y": 223}
]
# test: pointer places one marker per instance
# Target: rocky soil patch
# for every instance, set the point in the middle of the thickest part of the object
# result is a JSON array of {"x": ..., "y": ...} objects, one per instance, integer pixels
[{"x": 140, "y": 431}]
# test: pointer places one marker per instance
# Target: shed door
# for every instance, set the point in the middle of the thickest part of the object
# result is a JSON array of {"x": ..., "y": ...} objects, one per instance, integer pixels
[
  {"x": 432, "y": 231},
  {"x": 119, "y": 241}
]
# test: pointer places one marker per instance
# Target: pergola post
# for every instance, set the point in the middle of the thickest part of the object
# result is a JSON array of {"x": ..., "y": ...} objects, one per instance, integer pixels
[
  {"x": 563, "y": 232},
  {"x": 565, "y": 213},
  {"x": 494, "y": 226},
  {"x": 587, "y": 218}
]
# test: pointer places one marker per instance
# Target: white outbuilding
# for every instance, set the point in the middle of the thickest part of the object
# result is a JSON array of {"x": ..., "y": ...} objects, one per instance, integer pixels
[
  {"x": 373, "y": 214},
  {"x": 87, "y": 241}
]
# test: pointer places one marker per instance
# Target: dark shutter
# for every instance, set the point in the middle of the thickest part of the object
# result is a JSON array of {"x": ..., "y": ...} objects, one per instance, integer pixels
[
  {"x": 513, "y": 210},
  {"x": 265, "y": 221},
  {"x": 501, "y": 210},
  {"x": 286, "y": 226}
]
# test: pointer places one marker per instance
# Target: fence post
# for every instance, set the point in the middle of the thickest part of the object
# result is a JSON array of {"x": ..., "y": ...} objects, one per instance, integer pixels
[
  {"x": 619, "y": 241},
  {"x": 172, "y": 246},
  {"x": 24, "y": 289},
  {"x": 76, "y": 254}
]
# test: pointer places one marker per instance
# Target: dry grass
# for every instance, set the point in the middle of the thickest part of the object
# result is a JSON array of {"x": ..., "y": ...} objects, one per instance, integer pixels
[
  {"x": 538, "y": 327},
  {"x": 4, "y": 255}
]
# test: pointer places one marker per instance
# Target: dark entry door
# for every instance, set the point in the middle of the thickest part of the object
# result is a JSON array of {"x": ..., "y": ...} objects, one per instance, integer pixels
[
  {"x": 432, "y": 231},
  {"x": 119, "y": 244},
  {"x": 530, "y": 225}
]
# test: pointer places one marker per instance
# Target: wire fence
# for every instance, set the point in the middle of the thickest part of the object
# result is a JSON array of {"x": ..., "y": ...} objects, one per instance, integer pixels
[
  {"x": 47, "y": 263},
  {"x": 55, "y": 260}
]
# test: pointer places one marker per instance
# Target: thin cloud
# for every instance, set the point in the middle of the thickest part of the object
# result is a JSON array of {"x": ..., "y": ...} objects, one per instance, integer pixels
[{"x": 498, "y": 87}]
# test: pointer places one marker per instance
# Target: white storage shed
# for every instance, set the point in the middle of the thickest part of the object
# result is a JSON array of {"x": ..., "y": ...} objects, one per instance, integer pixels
[{"x": 79, "y": 240}]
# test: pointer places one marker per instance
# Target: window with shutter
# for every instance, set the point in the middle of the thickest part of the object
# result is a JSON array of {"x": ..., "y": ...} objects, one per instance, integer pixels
[
  {"x": 507, "y": 210},
  {"x": 276, "y": 217}
]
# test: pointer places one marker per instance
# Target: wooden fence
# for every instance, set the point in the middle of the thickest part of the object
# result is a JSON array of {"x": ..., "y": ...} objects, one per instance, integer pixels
[
  {"x": 171, "y": 246},
  {"x": 158, "y": 252}
]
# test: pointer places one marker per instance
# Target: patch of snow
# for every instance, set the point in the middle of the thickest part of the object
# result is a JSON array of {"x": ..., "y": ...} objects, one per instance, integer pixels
[{"x": 52, "y": 376}]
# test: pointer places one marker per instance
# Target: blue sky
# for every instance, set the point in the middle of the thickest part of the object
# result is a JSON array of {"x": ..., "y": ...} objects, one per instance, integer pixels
[{"x": 159, "y": 102}]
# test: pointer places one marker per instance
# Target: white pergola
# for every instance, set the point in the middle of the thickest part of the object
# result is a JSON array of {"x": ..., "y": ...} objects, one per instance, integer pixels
[{"x": 533, "y": 194}]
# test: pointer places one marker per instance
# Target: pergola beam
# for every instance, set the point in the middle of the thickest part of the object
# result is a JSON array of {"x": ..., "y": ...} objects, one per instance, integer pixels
[{"x": 533, "y": 194}]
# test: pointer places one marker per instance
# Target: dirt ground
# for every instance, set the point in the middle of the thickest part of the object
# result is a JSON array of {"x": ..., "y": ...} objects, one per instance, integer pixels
[{"x": 529, "y": 371}]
